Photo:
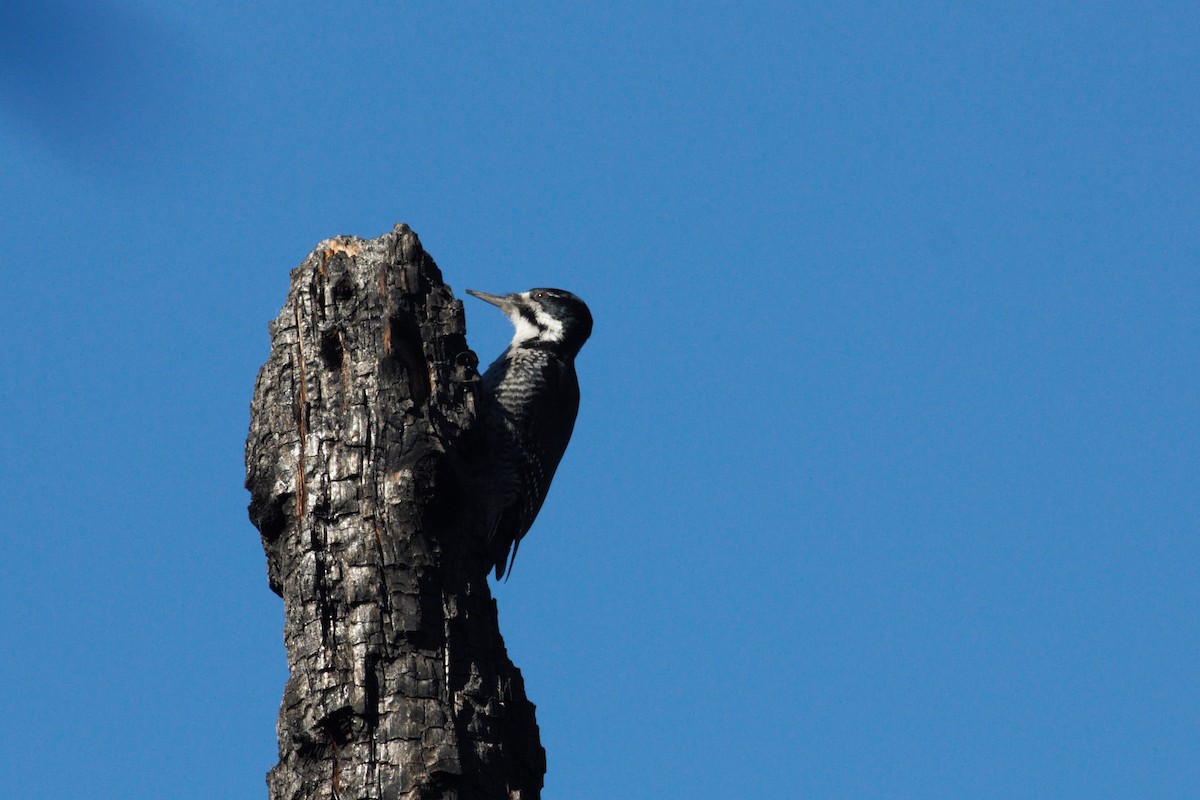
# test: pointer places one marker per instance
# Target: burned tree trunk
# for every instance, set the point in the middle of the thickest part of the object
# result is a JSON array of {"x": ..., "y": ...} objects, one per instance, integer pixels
[{"x": 358, "y": 463}]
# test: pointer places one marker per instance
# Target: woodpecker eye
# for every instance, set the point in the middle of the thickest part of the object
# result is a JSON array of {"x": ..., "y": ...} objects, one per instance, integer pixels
[{"x": 539, "y": 295}]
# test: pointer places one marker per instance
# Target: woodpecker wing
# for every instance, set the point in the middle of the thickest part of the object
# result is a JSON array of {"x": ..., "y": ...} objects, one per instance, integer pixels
[{"x": 540, "y": 440}]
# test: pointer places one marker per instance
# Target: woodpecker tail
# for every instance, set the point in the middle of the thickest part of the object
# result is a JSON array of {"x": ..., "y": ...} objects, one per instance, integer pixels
[{"x": 511, "y": 560}]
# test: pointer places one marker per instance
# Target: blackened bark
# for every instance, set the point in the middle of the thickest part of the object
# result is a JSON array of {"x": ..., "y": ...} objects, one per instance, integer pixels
[{"x": 358, "y": 463}]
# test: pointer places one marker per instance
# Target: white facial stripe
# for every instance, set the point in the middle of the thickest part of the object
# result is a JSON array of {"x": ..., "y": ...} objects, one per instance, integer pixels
[
  {"x": 526, "y": 330},
  {"x": 552, "y": 328},
  {"x": 546, "y": 328}
]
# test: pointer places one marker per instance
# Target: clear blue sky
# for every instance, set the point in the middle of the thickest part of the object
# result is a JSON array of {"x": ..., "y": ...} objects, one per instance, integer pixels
[{"x": 885, "y": 482}]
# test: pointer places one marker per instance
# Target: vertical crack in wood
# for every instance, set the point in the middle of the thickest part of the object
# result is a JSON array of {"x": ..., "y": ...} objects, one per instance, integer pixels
[
  {"x": 335, "y": 777},
  {"x": 301, "y": 416}
]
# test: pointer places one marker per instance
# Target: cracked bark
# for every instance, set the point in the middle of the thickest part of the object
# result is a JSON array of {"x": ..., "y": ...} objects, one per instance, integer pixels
[{"x": 359, "y": 465}]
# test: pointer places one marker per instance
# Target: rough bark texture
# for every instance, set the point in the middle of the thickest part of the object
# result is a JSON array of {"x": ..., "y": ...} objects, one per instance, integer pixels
[{"x": 358, "y": 463}]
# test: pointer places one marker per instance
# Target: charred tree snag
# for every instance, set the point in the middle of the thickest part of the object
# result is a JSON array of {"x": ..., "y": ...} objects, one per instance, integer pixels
[{"x": 359, "y": 465}]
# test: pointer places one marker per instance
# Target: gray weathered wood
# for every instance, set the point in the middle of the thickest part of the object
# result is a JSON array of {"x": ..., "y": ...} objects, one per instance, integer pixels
[{"x": 358, "y": 463}]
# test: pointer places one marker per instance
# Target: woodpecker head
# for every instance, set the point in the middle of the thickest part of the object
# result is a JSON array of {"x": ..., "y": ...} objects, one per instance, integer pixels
[{"x": 548, "y": 317}]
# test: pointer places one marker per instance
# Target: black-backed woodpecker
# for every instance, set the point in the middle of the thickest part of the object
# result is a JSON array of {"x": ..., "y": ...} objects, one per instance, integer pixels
[{"x": 530, "y": 400}]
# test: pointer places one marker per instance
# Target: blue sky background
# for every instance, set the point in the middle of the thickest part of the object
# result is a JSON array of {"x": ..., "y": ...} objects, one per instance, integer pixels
[{"x": 885, "y": 482}]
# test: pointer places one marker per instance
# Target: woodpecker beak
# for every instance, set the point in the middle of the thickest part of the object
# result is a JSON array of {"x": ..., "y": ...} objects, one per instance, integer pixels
[{"x": 501, "y": 302}]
